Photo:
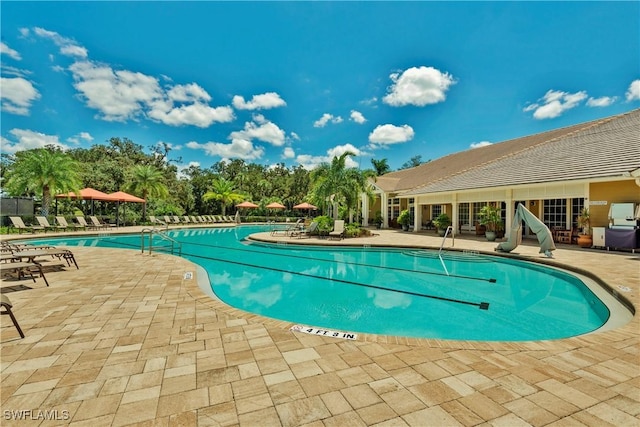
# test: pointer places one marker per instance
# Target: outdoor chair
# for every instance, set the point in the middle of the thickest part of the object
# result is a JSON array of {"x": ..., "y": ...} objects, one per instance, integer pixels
[
  {"x": 305, "y": 231},
  {"x": 20, "y": 225},
  {"x": 83, "y": 222},
  {"x": 5, "y": 303},
  {"x": 186, "y": 220},
  {"x": 155, "y": 220},
  {"x": 20, "y": 269},
  {"x": 286, "y": 231},
  {"x": 176, "y": 219},
  {"x": 338, "y": 230},
  {"x": 43, "y": 221},
  {"x": 98, "y": 224},
  {"x": 62, "y": 221}
]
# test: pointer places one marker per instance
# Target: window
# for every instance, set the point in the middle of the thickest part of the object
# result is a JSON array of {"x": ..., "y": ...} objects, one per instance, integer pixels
[
  {"x": 576, "y": 207},
  {"x": 393, "y": 208},
  {"x": 476, "y": 208},
  {"x": 554, "y": 213},
  {"x": 463, "y": 214},
  {"x": 435, "y": 210}
]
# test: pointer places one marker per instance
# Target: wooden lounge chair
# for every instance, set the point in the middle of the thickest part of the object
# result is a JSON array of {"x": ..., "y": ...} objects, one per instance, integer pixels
[
  {"x": 62, "y": 221},
  {"x": 338, "y": 230},
  {"x": 5, "y": 303},
  {"x": 20, "y": 225},
  {"x": 44, "y": 222}
]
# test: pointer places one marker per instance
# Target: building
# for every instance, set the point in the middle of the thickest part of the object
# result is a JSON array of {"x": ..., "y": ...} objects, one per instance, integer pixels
[{"x": 554, "y": 174}]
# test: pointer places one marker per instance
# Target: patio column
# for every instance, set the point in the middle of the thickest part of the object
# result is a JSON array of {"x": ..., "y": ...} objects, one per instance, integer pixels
[
  {"x": 383, "y": 208},
  {"x": 417, "y": 216},
  {"x": 365, "y": 209}
]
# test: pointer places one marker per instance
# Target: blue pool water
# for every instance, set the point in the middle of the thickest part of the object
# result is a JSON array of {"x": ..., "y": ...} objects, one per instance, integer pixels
[{"x": 403, "y": 292}]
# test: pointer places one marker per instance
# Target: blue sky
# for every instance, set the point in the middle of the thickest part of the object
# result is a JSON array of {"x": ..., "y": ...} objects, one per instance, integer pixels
[{"x": 301, "y": 82}]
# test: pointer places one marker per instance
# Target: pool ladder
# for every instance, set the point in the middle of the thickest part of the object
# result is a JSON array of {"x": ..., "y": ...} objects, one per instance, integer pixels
[
  {"x": 169, "y": 241},
  {"x": 444, "y": 239}
]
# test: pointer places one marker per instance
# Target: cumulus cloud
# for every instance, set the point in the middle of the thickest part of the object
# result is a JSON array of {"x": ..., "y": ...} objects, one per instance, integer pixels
[
  {"x": 326, "y": 118},
  {"x": 388, "y": 134},
  {"x": 261, "y": 129},
  {"x": 25, "y": 139},
  {"x": 310, "y": 162},
  {"x": 237, "y": 149},
  {"x": 633, "y": 93},
  {"x": 418, "y": 86},
  {"x": 121, "y": 95},
  {"x": 480, "y": 144},
  {"x": 357, "y": 117},
  {"x": 603, "y": 101},
  {"x": 82, "y": 136},
  {"x": 554, "y": 103},
  {"x": 259, "y": 102},
  {"x": 17, "y": 95},
  {"x": 68, "y": 47},
  {"x": 288, "y": 153},
  {"x": 6, "y": 50}
]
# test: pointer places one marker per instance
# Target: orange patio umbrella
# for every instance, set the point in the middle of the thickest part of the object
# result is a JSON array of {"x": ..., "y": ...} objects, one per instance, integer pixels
[
  {"x": 87, "y": 194},
  {"x": 246, "y": 204},
  {"x": 123, "y": 197},
  {"x": 275, "y": 205},
  {"x": 307, "y": 206}
]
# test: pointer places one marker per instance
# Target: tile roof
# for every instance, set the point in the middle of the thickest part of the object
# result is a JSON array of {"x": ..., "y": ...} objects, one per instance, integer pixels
[{"x": 606, "y": 147}]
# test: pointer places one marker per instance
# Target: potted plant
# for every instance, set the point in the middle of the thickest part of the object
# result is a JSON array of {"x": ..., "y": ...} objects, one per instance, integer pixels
[
  {"x": 404, "y": 219},
  {"x": 585, "y": 240},
  {"x": 489, "y": 216},
  {"x": 441, "y": 223},
  {"x": 378, "y": 220}
]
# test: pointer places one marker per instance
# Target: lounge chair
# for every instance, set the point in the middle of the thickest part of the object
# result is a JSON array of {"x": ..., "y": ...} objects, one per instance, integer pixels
[
  {"x": 176, "y": 219},
  {"x": 83, "y": 222},
  {"x": 286, "y": 231},
  {"x": 338, "y": 230},
  {"x": 98, "y": 224},
  {"x": 305, "y": 231},
  {"x": 186, "y": 219},
  {"x": 21, "y": 268},
  {"x": 20, "y": 225},
  {"x": 6, "y": 304},
  {"x": 43, "y": 221},
  {"x": 62, "y": 221},
  {"x": 157, "y": 221}
]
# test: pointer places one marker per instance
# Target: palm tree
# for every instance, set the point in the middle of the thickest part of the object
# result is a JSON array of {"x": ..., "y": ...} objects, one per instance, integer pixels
[
  {"x": 147, "y": 181},
  {"x": 222, "y": 190},
  {"x": 340, "y": 185},
  {"x": 43, "y": 172},
  {"x": 381, "y": 166}
]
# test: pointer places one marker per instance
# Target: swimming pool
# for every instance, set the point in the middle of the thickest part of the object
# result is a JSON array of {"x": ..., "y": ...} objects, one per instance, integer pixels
[{"x": 390, "y": 291}]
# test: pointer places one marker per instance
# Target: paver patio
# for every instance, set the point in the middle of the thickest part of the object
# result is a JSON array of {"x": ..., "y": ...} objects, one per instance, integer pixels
[{"x": 129, "y": 339}]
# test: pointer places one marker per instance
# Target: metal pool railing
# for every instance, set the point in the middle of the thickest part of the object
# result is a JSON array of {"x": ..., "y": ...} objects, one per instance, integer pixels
[{"x": 170, "y": 242}]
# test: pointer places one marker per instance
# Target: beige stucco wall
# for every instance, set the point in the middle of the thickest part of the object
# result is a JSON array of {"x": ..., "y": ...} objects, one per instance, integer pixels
[{"x": 611, "y": 192}]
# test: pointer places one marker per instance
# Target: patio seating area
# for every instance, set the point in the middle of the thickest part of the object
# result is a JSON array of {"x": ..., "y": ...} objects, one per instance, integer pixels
[{"x": 131, "y": 338}]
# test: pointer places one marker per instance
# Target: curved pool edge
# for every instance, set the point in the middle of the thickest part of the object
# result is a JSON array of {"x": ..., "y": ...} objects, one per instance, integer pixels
[{"x": 613, "y": 325}]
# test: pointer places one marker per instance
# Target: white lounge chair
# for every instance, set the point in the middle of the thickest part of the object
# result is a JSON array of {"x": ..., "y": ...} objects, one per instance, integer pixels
[{"x": 338, "y": 230}]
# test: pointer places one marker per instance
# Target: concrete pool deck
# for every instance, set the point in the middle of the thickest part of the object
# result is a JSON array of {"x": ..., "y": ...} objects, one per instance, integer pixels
[{"x": 130, "y": 339}]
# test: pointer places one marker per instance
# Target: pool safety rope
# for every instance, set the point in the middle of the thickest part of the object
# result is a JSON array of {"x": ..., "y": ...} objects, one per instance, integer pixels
[
  {"x": 433, "y": 273},
  {"x": 481, "y": 305}
]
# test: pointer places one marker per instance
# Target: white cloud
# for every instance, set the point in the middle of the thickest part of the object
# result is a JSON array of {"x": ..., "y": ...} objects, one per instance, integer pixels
[
  {"x": 17, "y": 95},
  {"x": 288, "y": 153},
  {"x": 238, "y": 148},
  {"x": 418, "y": 86},
  {"x": 84, "y": 136},
  {"x": 259, "y": 102},
  {"x": 633, "y": 93},
  {"x": 68, "y": 47},
  {"x": 6, "y": 50},
  {"x": 603, "y": 101},
  {"x": 554, "y": 103},
  {"x": 309, "y": 162},
  {"x": 326, "y": 118},
  {"x": 262, "y": 130},
  {"x": 27, "y": 140},
  {"x": 389, "y": 134},
  {"x": 121, "y": 95},
  {"x": 294, "y": 136},
  {"x": 480, "y": 144},
  {"x": 357, "y": 117}
]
